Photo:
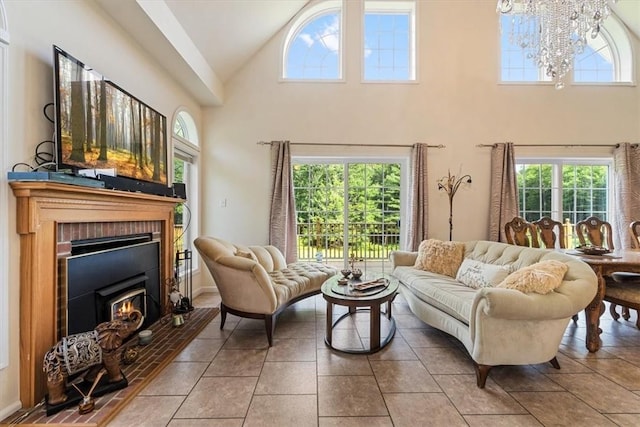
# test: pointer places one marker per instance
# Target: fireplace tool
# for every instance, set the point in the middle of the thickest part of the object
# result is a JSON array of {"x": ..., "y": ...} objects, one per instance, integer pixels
[{"x": 181, "y": 306}]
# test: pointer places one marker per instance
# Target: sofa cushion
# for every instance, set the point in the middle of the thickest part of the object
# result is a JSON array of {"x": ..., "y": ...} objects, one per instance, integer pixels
[
  {"x": 299, "y": 278},
  {"x": 542, "y": 277},
  {"x": 477, "y": 274},
  {"x": 440, "y": 257},
  {"x": 440, "y": 291}
]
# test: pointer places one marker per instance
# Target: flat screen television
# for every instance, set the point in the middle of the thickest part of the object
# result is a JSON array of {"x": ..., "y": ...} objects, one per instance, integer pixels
[{"x": 101, "y": 126}]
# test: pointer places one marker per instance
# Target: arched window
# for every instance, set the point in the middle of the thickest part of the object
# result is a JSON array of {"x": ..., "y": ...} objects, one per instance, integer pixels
[
  {"x": 595, "y": 64},
  {"x": 313, "y": 46},
  {"x": 606, "y": 59},
  {"x": 186, "y": 153},
  {"x": 185, "y": 128}
]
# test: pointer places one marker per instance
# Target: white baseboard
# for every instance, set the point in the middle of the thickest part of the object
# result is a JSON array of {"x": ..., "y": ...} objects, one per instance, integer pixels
[
  {"x": 7, "y": 411},
  {"x": 205, "y": 290}
]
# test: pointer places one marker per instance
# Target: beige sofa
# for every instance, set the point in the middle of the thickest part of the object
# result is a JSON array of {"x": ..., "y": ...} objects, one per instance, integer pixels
[
  {"x": 498, "y": 326},
  {"x": 256, "y": 282}
]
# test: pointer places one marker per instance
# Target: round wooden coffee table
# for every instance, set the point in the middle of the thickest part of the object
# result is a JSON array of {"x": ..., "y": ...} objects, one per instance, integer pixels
[{"x": 344, "y": 295}]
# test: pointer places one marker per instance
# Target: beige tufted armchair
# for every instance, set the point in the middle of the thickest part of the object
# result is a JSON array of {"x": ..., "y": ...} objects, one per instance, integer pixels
[{"x": 256, "y": 282}]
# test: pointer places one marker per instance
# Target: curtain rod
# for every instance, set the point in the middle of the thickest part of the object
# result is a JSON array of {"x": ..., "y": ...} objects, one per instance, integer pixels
[
  {"x": 558, "y": 145},
  {"x": 333, "y": 144}
]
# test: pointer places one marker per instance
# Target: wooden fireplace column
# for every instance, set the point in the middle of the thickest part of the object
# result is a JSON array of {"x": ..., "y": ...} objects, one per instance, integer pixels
[{"x": 40, "y": 207}]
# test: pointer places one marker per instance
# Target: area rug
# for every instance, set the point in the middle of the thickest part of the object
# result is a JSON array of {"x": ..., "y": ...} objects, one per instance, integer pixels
[{"x": 167, "y": 342}]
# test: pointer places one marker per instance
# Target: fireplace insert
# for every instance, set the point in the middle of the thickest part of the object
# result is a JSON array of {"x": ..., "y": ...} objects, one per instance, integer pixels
[{"x": 104, "y": 278}]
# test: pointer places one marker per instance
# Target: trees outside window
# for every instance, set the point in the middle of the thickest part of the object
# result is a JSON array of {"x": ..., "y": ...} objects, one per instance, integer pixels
[
  {"x": 348, "y": 209},
  {"x": 565, "y": 190}
]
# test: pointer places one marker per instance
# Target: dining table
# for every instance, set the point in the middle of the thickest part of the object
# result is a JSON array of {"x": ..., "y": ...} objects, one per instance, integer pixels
[{"x": 624, "y": 260}]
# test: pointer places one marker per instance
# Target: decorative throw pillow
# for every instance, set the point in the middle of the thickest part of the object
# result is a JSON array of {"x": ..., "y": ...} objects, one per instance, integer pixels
[
  {"x": 440, "y": 257},
  {"x": 248, "y": 255},
  {"x": 476, "y": 274},
  {"x": 542, "y": 277}
]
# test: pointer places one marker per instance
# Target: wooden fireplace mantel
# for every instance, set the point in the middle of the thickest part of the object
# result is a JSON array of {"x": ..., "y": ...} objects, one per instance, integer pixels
[{"x": 41, "y": 206}]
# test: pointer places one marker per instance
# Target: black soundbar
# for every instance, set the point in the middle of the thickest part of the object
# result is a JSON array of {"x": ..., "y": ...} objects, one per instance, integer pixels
[{"x": 133, "y": 185}]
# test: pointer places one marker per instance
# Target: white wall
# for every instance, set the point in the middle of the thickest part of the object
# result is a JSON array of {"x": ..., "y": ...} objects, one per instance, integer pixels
[
  {"x": 456, "y": 102},
  {"x": 89, "y": 34}
]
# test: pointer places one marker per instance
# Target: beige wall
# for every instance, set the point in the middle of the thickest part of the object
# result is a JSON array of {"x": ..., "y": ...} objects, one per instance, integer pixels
[
  {"x": 457, "y": 102},
  {"x": 82, "y": 29}
]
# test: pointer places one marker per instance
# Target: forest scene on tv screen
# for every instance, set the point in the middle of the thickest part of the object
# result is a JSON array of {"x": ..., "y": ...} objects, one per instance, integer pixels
[{"x": 100, "y": 126}]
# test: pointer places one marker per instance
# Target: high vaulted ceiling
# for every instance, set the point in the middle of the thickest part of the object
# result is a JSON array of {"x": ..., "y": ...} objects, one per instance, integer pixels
[{"x": 204, "y": 42}]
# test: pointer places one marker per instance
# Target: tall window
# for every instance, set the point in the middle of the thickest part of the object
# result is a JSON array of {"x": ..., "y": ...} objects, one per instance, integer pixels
[
  {"x": 564, "y": 189},
  {"x": 313, "y": 45},
  {"x": 348, "y": 210},
  {"x": 185, "y": 170},
  {"x": 389, "y": 40}
]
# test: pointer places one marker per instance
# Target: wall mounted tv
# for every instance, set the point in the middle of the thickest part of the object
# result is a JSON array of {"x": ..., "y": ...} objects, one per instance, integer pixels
[{"x": 101, "y": 126}]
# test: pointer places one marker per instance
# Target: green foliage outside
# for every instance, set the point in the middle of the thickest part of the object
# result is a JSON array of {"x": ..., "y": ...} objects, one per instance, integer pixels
[
  {"x": 178, "y": 176},
  {"x": 372, "y": 203},
  {"x": 584, "y": 191}
]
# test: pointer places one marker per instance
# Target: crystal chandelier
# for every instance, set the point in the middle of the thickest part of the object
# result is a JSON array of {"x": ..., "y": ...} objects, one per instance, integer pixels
[{"x": 553, "y": 32}]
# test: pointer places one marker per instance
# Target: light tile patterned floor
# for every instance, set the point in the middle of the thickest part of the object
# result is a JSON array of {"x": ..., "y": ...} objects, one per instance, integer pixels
[{"x": 231, "y": 377}]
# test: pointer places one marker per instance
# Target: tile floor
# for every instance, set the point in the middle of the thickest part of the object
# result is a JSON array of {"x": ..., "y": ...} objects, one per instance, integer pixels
[{"x": 423, "y": 378}]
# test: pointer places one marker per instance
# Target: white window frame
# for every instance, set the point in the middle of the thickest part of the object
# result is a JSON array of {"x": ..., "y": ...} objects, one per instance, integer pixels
[
  {"x": 4, "y": 189},
  {"x": 556, "y": 198},
  {"x": 393, "y": 6},
  {"x": 307, "y": 15},
  {"x": 188, "y": 150}
]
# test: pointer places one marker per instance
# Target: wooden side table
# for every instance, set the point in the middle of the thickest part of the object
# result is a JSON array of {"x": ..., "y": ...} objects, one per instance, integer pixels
[{"x": 341, "y": 295}]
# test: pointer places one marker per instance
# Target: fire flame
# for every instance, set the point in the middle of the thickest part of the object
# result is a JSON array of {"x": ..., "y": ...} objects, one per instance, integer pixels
[{"x": 125, "y": 309}]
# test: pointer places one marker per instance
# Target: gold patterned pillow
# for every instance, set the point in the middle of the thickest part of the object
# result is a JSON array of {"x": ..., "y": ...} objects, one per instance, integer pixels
[
  {"x": 440, "y": 257},
  {"x": 542, "y": 277}
]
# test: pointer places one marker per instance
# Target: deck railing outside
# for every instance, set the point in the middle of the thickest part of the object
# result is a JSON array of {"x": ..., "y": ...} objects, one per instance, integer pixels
[{"x": 368, "y": 243}]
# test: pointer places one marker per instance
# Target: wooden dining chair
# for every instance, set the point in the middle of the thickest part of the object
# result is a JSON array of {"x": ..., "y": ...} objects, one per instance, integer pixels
[
  {"x": 596, "y": 232},
  {"x": 547, "y": 234},
  {"x": 520, "y": 232}
]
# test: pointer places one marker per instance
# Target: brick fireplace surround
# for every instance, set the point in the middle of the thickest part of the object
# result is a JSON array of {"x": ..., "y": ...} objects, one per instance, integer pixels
[{"x": 49, "y": 216}]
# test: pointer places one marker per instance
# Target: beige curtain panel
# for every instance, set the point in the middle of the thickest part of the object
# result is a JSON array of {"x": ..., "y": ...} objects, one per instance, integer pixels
[
  {"x": 626, "y": 159},
  {"x": 282, "y": 219},
  {"x": 418, "y": 222},
  {"x": 504, "y": 190}
]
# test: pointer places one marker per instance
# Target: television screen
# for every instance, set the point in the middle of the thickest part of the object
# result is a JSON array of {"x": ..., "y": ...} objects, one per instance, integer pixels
[{"x": 101, "y": 126}]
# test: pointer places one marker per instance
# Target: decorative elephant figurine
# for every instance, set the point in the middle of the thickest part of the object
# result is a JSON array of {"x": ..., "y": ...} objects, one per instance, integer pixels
[{"x": 88, "y": 350}]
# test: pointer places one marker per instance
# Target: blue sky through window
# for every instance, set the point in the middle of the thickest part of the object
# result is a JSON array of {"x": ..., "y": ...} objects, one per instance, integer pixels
[
  {"x": 594, "y": 65},
  {"x": 315, "y": 50},
  {"x": 387, "y": 46}
]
